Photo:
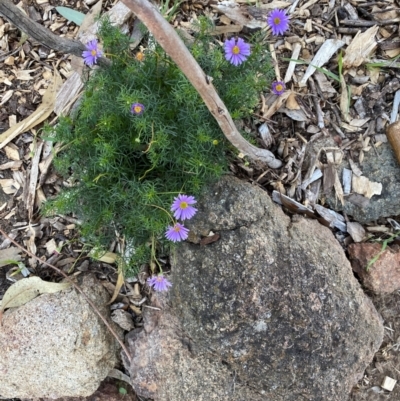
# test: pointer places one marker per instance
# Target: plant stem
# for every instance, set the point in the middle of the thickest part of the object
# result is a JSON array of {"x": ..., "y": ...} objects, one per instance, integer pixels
[{"x": 169, "y": 40}]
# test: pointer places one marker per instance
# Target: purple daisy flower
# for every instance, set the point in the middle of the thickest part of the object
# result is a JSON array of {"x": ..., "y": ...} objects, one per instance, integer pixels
[
  {"x": 278, "y": 21},
  {"x": 159, "y": 283},
  {"x": 278, "y": 87},
  {"x": 238, "y": 52},
  {"x": 91, "y": 53},
  {"x": 177, "y": 233},
  {"x": 137, "y": 108},
  {"x": 181, "y": 207}
]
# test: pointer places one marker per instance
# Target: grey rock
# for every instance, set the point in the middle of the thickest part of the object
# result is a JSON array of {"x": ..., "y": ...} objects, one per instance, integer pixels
[
  {"x": 271, "y": 311},
  {"x": 383, "y": 168},
  {"x": 56, "y": 346}
]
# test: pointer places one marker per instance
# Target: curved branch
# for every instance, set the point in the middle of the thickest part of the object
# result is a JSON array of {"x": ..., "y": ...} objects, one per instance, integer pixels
[
  {"x": 169, "y": 40},
  {"x": 38, "y": 32}
]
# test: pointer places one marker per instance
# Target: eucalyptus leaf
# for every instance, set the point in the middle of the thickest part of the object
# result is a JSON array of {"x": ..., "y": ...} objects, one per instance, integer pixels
[
  {"x": 27, "y": 289},
  {"x": 71, "y": 15}
]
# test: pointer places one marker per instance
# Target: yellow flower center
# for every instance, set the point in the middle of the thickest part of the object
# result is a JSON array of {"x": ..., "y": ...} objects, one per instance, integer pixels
[
  {"x": 139, "y": 56},
  {"x": 235, "y": 50},
  {"x": 278, "y": 87},
  {"x": 183, "y": 205},
  {"x": 177, "y": 228},
  {"x": 137, "y": 109},
  {"x": 159, "y": 279},
  {"x": 215, "y": 142},
  {"x": 277, "y": 21},
  {"x": 93, "y": 52}
]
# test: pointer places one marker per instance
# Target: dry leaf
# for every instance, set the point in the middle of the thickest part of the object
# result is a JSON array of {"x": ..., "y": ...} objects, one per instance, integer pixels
[
  {"x": 344, "y": 100},
  {"x": 51, "y": 246},
  {"x": 233, "y": 12},
  {"x": 118, "y": 285},
  {"x": 107, "y": 257},
  {"x": 297, "y": 115},
  {"x": 291, "y": 102},
  {"x": 117, "y": 374},
  {"x": 27, "y": 289}
]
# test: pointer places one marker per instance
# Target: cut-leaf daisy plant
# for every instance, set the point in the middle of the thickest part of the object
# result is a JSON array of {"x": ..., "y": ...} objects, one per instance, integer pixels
[
  {"x": 181, "y": 206},
  {"x": 236, "y": 51},
  {"x": 278, "y": 87},
  {"x": 137, "y": 108},
  {"x": 91, "y": 53},
  {"x": 177, "y": 233},
  {"x": 159, "y": 282},
  {"x": 278, "y": 21}
]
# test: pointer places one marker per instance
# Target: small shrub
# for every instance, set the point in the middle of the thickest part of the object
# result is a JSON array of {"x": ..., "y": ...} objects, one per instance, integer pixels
[{"x": 127, "y": 167}]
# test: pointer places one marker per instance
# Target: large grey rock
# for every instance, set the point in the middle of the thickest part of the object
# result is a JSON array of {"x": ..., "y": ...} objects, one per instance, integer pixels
[
  {"x": 271, "y": 311},
  {"x": 56, "y": 346},
  {"x": 382, "y": 168}
]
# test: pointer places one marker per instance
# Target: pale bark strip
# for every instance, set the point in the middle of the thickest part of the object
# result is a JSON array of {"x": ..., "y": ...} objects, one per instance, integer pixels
[{"x": 169, "y": 40}]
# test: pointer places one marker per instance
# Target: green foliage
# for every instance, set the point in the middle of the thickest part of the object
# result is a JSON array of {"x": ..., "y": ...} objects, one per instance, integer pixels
[
  {"x": 71, "y": 15},
  {"x": 128, "y": 168}
]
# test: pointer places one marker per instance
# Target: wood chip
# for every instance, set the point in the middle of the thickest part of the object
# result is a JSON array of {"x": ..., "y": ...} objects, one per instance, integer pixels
[
  {"x": 356, "y": 231},
  {"x": 30, "y": 201},
  {"x": 363, "y": 186},
  {"x": 324, "y": 54},
  {"x": 6, "y": 97},
  {"x": 360, "y": 48},
  {"x": 291, "y": 204},
  {"x": 346, "y": 178},
  {"x": 334, "y": 219},
  {"x": 51, "y": 246},
  {"x": 12, "y": 152},
  {"x": 388, "y": 383}
]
